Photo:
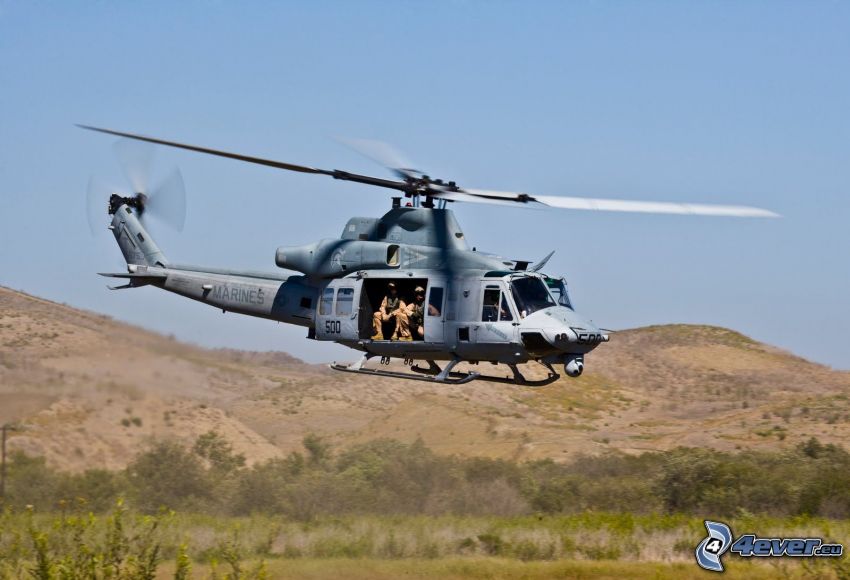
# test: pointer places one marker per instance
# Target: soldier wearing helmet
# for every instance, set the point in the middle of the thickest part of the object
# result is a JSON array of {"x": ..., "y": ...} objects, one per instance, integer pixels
[
  {"x": 411, "y": 322},
  {"x": 392, "y": 309}
]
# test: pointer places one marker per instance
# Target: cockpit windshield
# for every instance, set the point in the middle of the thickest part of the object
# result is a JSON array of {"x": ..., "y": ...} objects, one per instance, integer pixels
[
  {"x": 530, "y": 295},
  {"x": 558, "y": 288}
]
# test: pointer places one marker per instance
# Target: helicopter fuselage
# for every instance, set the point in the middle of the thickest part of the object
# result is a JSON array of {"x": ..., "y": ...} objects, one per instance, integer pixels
[{"x": 477, "y": 307}]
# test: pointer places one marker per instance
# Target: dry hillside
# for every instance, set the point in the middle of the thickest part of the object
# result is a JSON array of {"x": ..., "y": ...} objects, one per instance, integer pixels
[{"x": 90, "y": 392}]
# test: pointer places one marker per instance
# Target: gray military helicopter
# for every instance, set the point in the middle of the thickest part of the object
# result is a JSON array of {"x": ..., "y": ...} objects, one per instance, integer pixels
[{"x": 367, "y": 289}]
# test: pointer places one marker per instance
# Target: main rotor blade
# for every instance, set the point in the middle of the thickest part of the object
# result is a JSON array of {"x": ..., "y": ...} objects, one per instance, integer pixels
[
  {"x": 453, "y": 193},
  {"x": 622, "y": 205},
  {"x": 654, "y": 207},
  {"x": 335, "y": 173},
  {"x": 466, "y": 197},
  {"x": 237, "y": 156},
  {"x": 384, "y": 154}
]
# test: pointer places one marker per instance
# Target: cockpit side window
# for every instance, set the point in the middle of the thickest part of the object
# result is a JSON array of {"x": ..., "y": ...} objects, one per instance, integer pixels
[
  {"x": 490, "y": 307},
  {"x": 530, "y": 295},
  {"x": 558, "y": 287},
  {"x": 496, "y": 305}
]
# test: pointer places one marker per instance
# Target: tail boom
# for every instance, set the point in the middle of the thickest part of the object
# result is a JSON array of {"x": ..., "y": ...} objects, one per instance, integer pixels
[{"x": 285, "y": 299}]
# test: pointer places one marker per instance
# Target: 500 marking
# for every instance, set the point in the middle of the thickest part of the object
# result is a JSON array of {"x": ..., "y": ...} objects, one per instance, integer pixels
[{"x": 332, "y": 326}]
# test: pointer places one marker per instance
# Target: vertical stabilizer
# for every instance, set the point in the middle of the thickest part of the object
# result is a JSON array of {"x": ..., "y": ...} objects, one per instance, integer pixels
[{"x": 136, "y": 244}]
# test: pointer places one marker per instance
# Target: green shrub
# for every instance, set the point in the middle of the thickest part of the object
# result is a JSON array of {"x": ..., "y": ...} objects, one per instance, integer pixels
[
  {"x": 492, "y": 544},
  {"x": 386, "y": 477},
  {"x": 168, "y": 476},
  {"x": 213, "y": 447}
]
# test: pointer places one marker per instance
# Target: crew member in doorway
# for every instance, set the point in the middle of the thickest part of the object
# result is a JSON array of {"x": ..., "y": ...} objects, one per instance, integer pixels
[
  {"x": 411, "y": 322},
  {"x": 392, "y": 309}
]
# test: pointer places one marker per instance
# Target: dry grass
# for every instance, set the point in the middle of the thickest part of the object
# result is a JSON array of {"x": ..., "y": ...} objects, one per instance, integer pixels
[
  {"x": 498, "y": 568},
  {"x": 584, "y": 546}
]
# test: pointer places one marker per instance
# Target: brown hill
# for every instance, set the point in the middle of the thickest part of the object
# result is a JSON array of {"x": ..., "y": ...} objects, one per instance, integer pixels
[{"x": 90, "y": 392}]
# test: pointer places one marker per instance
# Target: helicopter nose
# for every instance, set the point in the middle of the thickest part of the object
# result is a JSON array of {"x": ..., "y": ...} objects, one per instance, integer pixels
[
  {"x": 579, "y": 333},
  {"x": 564, "y": 329}
]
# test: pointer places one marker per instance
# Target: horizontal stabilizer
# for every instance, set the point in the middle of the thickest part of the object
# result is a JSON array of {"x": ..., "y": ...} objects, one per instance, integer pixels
[
  {"x": 135, "y": 279},
  {"x": 135, "y": 275}
]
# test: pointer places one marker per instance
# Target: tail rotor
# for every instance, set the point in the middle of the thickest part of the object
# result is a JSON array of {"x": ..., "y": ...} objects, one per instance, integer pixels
[{"x": 166, "y": 202}]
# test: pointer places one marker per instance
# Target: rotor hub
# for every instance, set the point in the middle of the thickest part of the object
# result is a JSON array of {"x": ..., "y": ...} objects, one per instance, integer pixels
[{"x": 137, "y": 202}]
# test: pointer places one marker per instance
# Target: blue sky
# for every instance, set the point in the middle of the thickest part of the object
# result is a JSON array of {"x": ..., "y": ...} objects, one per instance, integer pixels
[{"x": 683, "y": 101}]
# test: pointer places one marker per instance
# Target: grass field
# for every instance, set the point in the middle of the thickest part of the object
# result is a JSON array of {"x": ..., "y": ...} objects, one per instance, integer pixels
[
  {"x": 123, "y": 544},
  {"x": 498, "y": 568}
]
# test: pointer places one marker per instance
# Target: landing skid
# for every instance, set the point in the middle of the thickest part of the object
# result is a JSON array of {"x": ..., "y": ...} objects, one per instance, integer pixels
[
  {"x": 435, "y": 374},
  {"x": 517, "y": 379},
  {"x": 444, "y": 376}
]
